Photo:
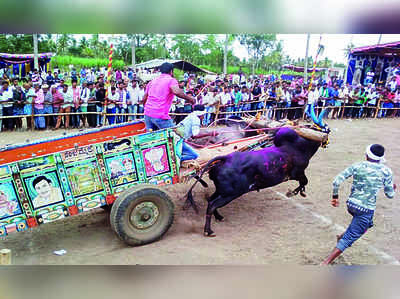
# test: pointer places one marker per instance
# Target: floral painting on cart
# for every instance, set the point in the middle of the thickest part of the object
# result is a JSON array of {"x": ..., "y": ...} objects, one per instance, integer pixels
[{"x": 156, "y": 160}]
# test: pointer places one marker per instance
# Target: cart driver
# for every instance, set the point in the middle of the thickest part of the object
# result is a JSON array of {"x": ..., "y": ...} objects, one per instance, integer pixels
[
  {"x": 190, "y": 127},
  {"x": 158, "y": 98}
]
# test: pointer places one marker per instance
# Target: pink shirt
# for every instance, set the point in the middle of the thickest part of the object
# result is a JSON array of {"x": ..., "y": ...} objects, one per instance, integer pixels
[
  {"x": 57, "y": 99},
  {"x": 39, "y": 99},
  {"x": 396, "y": 97},
  {"x": 160, "y": 96}
]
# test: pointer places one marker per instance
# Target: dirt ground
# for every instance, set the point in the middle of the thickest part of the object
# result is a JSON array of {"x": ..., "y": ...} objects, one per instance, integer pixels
[{"x": 260, "y": 227}]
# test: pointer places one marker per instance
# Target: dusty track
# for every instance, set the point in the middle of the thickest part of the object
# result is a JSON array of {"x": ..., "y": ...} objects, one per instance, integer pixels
[{"x": 260, "y": 227}]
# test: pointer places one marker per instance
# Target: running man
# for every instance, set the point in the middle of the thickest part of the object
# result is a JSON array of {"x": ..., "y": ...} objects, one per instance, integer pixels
[{"x": 368, "y": 178}]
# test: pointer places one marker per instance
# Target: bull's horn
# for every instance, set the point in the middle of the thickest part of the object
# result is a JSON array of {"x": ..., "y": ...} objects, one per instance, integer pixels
[
  {"x": 320, "y": 118},
  {"x": 313, "y": 117}
]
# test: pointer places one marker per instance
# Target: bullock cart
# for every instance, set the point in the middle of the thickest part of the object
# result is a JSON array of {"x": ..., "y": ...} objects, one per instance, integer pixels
[{"x": 120, "y": 168}]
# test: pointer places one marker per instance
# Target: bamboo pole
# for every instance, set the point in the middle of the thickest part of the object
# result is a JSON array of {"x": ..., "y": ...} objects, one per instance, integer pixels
[
  {"x": 306, "y": 58},
  {"x": 319, "y": 50}
]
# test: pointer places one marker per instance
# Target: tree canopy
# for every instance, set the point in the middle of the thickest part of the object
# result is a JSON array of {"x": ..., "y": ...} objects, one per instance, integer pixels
[{"x": 264, "y": 50}]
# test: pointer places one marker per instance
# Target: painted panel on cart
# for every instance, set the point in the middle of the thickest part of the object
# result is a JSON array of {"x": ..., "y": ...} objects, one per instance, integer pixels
[
  {"x": 156, "y": 160},
  {"x": 44, "y": 189},
  {"x": 9, "y": 204},
  {"x": 121, "y": 169},
  {"x": 37, "y": 163},
  {"x": 84, "y": 178}
]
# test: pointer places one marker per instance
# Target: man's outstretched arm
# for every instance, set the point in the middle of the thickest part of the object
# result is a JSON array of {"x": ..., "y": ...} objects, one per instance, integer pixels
[
  {"x": 181, "y": 94},
  {"x": 389, "y": 187},
  {"x": 339, "y": 179}
]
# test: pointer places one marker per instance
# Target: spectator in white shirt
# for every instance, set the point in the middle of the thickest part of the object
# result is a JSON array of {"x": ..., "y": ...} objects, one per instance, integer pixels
[
  {"x": 225, "y": 100},
  {"x": 84, "y": 98},
  {"x": 133, "y": 103},
  {"x": 313, "y": 97},
  {"x": 7, "y": 106},
  {"x": 392, "y": 84},
  {"x": 112, "y": 99},
  {"x": 210, "y": 101},
  {"x": 372, "y": 101}
]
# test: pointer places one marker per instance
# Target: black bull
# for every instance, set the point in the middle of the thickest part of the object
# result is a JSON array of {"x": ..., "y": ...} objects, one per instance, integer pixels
[{"x": 242, "y": 172}]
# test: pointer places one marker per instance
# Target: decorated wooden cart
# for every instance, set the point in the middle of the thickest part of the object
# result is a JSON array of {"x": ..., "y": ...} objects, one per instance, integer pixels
[{"x": 119, "y": 166}]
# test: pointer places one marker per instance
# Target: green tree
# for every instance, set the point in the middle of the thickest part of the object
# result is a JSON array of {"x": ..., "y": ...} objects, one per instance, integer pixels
[
  {"x": 186, "y": 47},
  {"x": 74, "y": 49},
  {"x": 274, "y": 60},
  {"x": 46, "y": 43},
  {"x": 63, "y": 43},
  {"x": 213, "y": 52},
  {"x": 257, "y": 45}
]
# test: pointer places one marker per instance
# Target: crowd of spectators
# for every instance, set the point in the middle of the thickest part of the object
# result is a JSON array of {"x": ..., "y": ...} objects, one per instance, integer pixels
[{"x": 79, "y": 99}]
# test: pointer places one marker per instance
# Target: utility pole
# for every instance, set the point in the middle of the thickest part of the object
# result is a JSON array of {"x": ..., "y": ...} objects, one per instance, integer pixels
[
  {"x": 226, "y": 53},
  {"x": 133, "y": 45},
  {"x": 35, "y": 51},
  {"x": 306, "y": 58},
  {"x": 348, "y": 60}
]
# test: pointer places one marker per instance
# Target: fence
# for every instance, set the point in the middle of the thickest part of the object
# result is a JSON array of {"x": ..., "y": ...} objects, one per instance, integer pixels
[{"x": 268, "y": 109}]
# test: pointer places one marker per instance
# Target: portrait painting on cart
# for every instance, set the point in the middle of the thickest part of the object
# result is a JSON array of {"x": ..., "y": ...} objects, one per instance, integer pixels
[
  {"x": 122, "y": 169},
  {"x": 44, "y": 189}
]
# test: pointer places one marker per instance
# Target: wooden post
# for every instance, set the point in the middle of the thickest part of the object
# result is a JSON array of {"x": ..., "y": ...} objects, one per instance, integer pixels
[
  {"x": 226, "y": 54},
  {"x": 265, "y": 106},
  {"x": 343, "y": 107},
  {"x": 32, "y": 117},
  {"x": 5, "y": 257},
  {"x": 377, "y": 108},
  {"x": 35, "y": 50}
]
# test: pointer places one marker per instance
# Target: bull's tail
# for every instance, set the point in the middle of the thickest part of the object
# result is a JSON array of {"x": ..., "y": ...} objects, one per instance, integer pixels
[{"x": 189, "y": 196}]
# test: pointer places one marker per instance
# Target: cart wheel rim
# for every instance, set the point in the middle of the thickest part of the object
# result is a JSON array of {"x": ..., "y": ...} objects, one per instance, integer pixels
[{"x": 144, "y": 215}]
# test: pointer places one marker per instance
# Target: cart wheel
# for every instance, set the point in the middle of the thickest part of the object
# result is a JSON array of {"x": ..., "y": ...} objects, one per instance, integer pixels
[{"x": 142, "y": 214}]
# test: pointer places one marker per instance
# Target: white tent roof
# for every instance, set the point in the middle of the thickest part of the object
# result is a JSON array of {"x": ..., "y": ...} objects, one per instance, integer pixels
[{"x": 180, "y": 64}]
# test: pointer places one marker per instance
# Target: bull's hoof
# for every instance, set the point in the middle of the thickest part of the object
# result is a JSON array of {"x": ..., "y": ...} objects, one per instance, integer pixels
[
  {"x": 220, "y": 220},
  {"x": 290, "y": 193},
  {"x": 209, "y": 234},
  {"x": 303, "y": 194}
]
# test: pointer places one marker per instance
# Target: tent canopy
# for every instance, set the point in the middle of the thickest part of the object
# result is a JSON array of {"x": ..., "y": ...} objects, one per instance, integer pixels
[
  {"x": 300, "y": 69},
  {"x": 23, "y": 58},
  {"x": 23, "y": 63},
  {"x": 179, "y": 64},
  {"x": 388, "y": 49},
  {"x": 380, "y": 58}
]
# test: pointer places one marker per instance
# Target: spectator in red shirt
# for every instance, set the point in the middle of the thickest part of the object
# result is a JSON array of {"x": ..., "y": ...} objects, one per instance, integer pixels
[
  {"x": 388, "y": 97},
  {"x": 57, "y": 102}
]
